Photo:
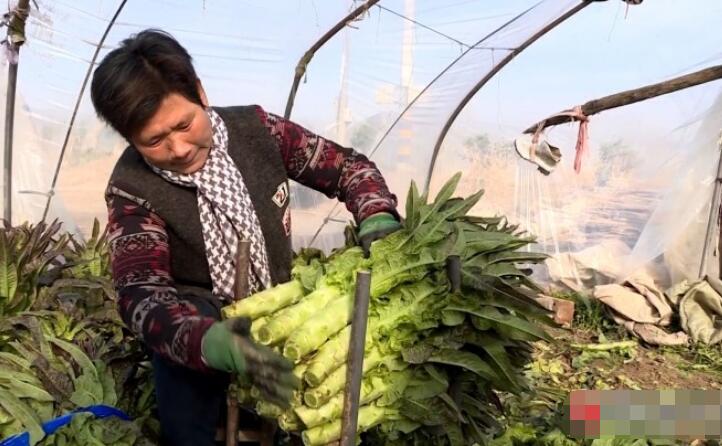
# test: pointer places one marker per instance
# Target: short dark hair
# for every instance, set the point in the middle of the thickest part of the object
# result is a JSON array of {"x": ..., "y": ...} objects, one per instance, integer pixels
[{"x": 131, "y": 81}]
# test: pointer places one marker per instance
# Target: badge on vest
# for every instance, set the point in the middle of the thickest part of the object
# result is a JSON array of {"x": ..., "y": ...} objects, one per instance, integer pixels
[
  {"x": 287, "y": 221},
  {"x": 281, "y": 195}
]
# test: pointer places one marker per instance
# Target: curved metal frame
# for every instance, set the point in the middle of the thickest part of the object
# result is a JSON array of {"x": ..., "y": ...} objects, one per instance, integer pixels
[
  {"x": 475, "y": 89},
  {"x": 51, "y": 192},
  {"x": 308, "y": 55},
  {"x": 418, "y": 96},
  {"x": 447, "y": 68},
  {"x": 469, "y": 95}
]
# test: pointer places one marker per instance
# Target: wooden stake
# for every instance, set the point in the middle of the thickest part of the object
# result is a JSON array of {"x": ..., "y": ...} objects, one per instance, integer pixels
[{"x": 636, "y": 95}]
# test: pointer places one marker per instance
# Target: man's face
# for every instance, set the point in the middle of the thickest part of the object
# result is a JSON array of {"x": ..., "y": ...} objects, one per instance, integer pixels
[{"x": 178, "y": 136}]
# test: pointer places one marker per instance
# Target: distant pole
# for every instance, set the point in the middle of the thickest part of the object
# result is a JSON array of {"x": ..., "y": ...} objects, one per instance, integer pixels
[
  {"x": 342, "y": 112},
  {"x": 15, "y": 39},
  {"x": 405, "y": 148}
]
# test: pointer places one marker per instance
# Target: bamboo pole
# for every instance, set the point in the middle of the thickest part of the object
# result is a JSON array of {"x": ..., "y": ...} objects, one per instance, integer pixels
[
  {"x": 308, "y": 55},
  {"x": 635, "y": 95}
]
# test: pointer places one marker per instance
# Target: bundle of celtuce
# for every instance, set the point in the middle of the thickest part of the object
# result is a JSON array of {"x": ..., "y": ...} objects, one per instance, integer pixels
[{"x": 434, "y": 357}]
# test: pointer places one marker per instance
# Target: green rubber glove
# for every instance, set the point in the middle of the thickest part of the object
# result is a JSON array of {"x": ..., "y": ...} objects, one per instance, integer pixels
[
  {"x": 375, "y": 227},
  {"x": 227, "y": 346}
]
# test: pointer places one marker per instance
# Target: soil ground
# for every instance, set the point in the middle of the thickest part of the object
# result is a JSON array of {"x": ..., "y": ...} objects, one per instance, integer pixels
[{"x": 575, "y": 362}]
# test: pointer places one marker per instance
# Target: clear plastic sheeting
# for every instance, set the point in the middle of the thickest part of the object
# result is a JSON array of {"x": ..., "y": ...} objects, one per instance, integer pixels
[
  {"x": 431, "y": 67},
  {"x": 641, "y": 200},
  {"x": 387, "y": 83},
  {"x": 677, "y": 226},
  {"x": 237, "y": 55},
  {"x": 29, "y": 178}
]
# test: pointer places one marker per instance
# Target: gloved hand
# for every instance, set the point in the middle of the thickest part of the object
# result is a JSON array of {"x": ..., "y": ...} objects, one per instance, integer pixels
[
  {"x": 375, "y": 227},
  {"x": 227, "y": 346}
]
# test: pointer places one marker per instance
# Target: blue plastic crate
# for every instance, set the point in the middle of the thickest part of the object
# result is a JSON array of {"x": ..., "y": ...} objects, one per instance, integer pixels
[{"x": 49, "y": 427}]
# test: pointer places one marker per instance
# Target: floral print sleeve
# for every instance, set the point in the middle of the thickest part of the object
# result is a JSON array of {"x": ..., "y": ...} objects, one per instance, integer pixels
[
  {"x": 147, "y": 298},
  {"x": 327, "y": 167}
]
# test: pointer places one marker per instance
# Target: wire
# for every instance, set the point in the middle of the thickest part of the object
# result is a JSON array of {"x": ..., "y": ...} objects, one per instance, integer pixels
[
  {"x": 416, "y": 22},
  {"x": 446, "y": 36},
  {"x": 416, "y": 98},
  {"x": 77, "y": 106}
]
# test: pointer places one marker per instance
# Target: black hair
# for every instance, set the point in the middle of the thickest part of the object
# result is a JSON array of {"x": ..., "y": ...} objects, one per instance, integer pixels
[{"x": 131, "y": 81}]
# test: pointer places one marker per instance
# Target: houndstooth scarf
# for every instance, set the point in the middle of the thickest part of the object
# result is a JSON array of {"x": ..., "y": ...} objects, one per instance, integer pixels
[{"x": 226, "y": 211}]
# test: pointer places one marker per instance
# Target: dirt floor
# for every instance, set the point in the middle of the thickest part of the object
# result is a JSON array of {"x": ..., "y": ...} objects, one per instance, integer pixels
[
  {"x": 601, "y": 355},
  {"x": 639, "y": 367}
]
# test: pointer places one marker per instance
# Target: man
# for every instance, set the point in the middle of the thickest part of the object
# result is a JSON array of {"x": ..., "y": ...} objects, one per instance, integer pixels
[{"x": 195, "y": 180}]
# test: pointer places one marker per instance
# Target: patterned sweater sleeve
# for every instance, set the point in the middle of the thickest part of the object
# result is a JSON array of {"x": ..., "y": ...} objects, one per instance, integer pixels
[
  {"x": 330, "y": 168},
  {"x": 147, "y": 298}
]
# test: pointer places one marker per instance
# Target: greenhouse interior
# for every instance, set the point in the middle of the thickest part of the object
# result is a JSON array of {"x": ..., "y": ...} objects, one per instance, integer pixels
[{"x": 499, "y": 223}]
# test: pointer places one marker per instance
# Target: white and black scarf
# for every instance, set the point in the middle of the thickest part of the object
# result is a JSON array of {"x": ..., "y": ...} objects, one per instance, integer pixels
[{"x": 226, "y": 213}]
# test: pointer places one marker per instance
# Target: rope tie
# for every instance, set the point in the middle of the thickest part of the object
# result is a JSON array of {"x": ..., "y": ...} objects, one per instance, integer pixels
[
  {"x": 582, "y": 146},
  {"x": 582, "y": 137},
  {"x": 535, "y": 140}
]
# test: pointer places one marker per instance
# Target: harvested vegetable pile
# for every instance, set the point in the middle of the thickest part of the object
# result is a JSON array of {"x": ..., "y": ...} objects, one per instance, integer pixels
[
  {"x": 434, "y": 358},
  {"x": 62, "y": 344}
]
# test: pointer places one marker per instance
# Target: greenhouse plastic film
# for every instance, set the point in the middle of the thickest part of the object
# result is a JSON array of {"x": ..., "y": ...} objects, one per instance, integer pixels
[{"x": 632, "y": 206}]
